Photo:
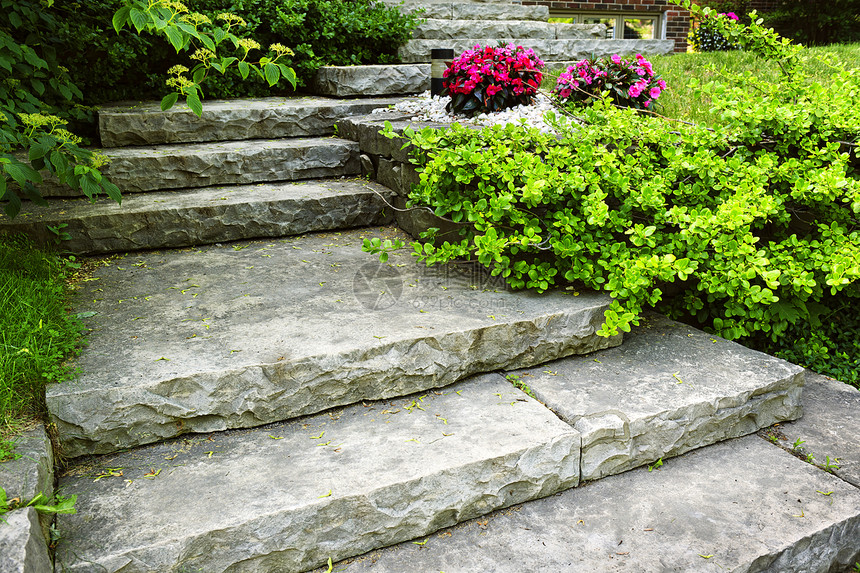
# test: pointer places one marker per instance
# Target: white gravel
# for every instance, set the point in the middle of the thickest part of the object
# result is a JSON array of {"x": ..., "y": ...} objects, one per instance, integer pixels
[{"x": 426, "y": 108}]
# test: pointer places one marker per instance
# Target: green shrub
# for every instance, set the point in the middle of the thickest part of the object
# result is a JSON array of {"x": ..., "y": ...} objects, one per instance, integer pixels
[
  {"x": 816, "y": 23},
  {"x": 751, "y": 224},
  {"x": 339, "y": 32}
]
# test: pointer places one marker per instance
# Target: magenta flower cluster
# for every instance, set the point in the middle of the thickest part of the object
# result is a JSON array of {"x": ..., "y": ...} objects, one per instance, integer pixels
[
  {"x": 487, "y": 79},
  {"x": 630, "y": 83}
]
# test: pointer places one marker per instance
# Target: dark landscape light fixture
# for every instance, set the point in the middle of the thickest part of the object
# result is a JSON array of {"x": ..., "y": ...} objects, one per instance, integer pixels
[{"x": 439, "y": 60}]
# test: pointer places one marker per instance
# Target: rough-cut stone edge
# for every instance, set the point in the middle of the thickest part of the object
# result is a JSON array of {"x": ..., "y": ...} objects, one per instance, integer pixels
[
  {"x": 606, "y": 434},
  {"x": 159, "y": 416},
  {"x": 415, "y": 51},
  {"x": 678, "y": 517},
  {"x": 159, "y": 220},
  {"x": 33, "y": 472},
  {"x": 144, "y": 123},
  {"x": 398, "y": 79},
  {"x": 353, "y": 517},
  {"x": 133, "y": 169},
  {"x": 23, "y": 548}
]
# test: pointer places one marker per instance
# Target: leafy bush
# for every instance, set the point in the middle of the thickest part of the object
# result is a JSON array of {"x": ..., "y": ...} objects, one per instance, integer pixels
[
  {"x": 490, "y": 79},
  {"x": 205, "y": 42},
  {"x": 705, "y": 38},
  {"x": 36, "y": 102},
  {"x": 631, "y": 83},
  {"x": 751, "y": 224},
  {"x": 338, "y": 32},
  {"x": 828, "y": 343},
  {"x": 816, "y": 23}
]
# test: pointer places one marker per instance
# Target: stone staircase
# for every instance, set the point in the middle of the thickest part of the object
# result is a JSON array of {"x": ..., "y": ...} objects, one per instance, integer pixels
[
  {"x": 270, "y": 405},
  {"x": 269, "y": 398},
  {"x": 463, "y": 25},
  {"x": 267, "y": 167}
]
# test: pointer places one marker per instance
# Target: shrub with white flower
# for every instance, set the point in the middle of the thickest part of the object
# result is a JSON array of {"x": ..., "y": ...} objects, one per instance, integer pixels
[
  {"x": 705, "y": 38},
  {"x": 630, "y": 83},
  {"x": 488, "y": 79}
]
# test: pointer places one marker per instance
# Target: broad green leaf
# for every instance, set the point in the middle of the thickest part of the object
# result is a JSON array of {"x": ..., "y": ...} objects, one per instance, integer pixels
[
  {"x": 13, "y": 205},
  {"x": 207, "y": 42},
  {"x": 33, "y": 194},
  {"x": 244, "y": 69},
  {"x": 199, "y": 74},
  {"x": 15, "y": 19},
  {"x": 41, "y": 148},
  {"x": 22, "y": 173},
  {"x": 289, "y": 74},
  {"x": 175, "y": 38},
  {"x": 139, "y": 19},
  {"x": 169, "y": 101},
  {"x": 120, "y": 18},
  {"x": 6, "y": 64},
  {"x": 112, "y": 191},
  {"x": 193, "y": 101},
  {"x": 219, "y": 34},
  {"x": 88, "y": 186},
  {"x": 273, "y": 73}
]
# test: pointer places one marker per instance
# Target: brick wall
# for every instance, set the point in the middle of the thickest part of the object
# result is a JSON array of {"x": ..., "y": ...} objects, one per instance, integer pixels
[{"x": 677, "y": 21}]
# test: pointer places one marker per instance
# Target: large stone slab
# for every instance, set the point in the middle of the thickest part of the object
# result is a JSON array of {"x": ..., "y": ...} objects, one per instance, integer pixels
[
  {"x": 32, "y": 472},
  {"x": 348, "y": 81},
  {"x": 182, "y": 166},
  {"x": 669, "y": 389},
  {"x": 437, "y": 29},
  {"x": 288, "y": 497},
  {"x": 829, "y": 428},
  {"x": 547, "y": 50},
  {"x": 207, "y": 215},
  {"x": 741, "y": 506},
  {"x": 22, "y": 545},
  {"x": 143, "y": 123},
  {"x": 246, "y": 334},
  {"x": 473, "y": 11}
]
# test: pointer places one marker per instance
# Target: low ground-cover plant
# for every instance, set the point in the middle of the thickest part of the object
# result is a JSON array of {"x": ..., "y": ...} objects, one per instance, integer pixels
[
  {"x": 488, "y": 79},
  {"x": 630, "y": 83},
  {"x": 752, "y": 224}
]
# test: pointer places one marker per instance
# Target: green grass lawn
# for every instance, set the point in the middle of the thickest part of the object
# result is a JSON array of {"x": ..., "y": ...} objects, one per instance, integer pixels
[
  {"x": 37, "y": 333},
  {"x": 679, "y": 102}
]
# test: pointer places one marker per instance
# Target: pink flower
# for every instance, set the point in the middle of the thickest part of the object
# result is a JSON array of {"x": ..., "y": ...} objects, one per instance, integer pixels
[
  {"x": 634, "y": 91},
  {"x": 662, "y": 84},
  {"x": 493, "y": 89},
  {"x": 647, "y": 102},
  {"x": 565, "y": 93},
  {"x": 654, "y": 93},
  {"x": 732, "y": 15},
  {"x": 616, "y": 59}
]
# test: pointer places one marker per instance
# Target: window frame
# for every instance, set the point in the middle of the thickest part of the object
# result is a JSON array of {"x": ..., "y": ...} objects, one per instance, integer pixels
[{"x": 619, "y": 18}]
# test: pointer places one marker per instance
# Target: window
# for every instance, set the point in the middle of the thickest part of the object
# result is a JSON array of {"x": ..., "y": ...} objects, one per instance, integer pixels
[{"x": 618, "y": 26}]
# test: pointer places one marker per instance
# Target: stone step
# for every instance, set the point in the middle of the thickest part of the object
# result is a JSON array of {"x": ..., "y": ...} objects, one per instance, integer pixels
[
  {"x": 743, "y": 506},
  {"x": 143, "y": 123},
  {"x": 433, "y": 29},
  {"x": 287, "y": 497},
  {"x": 350, "y": 81},
  {"x": 447, "y": 10},
  {"x": 668, "y": 389},
  {"x": 190, "y": 165},
  {"x": 417, "y": 51},
  {"x": 168, "y": 219},
  {"x": 246, "y": 334}
]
